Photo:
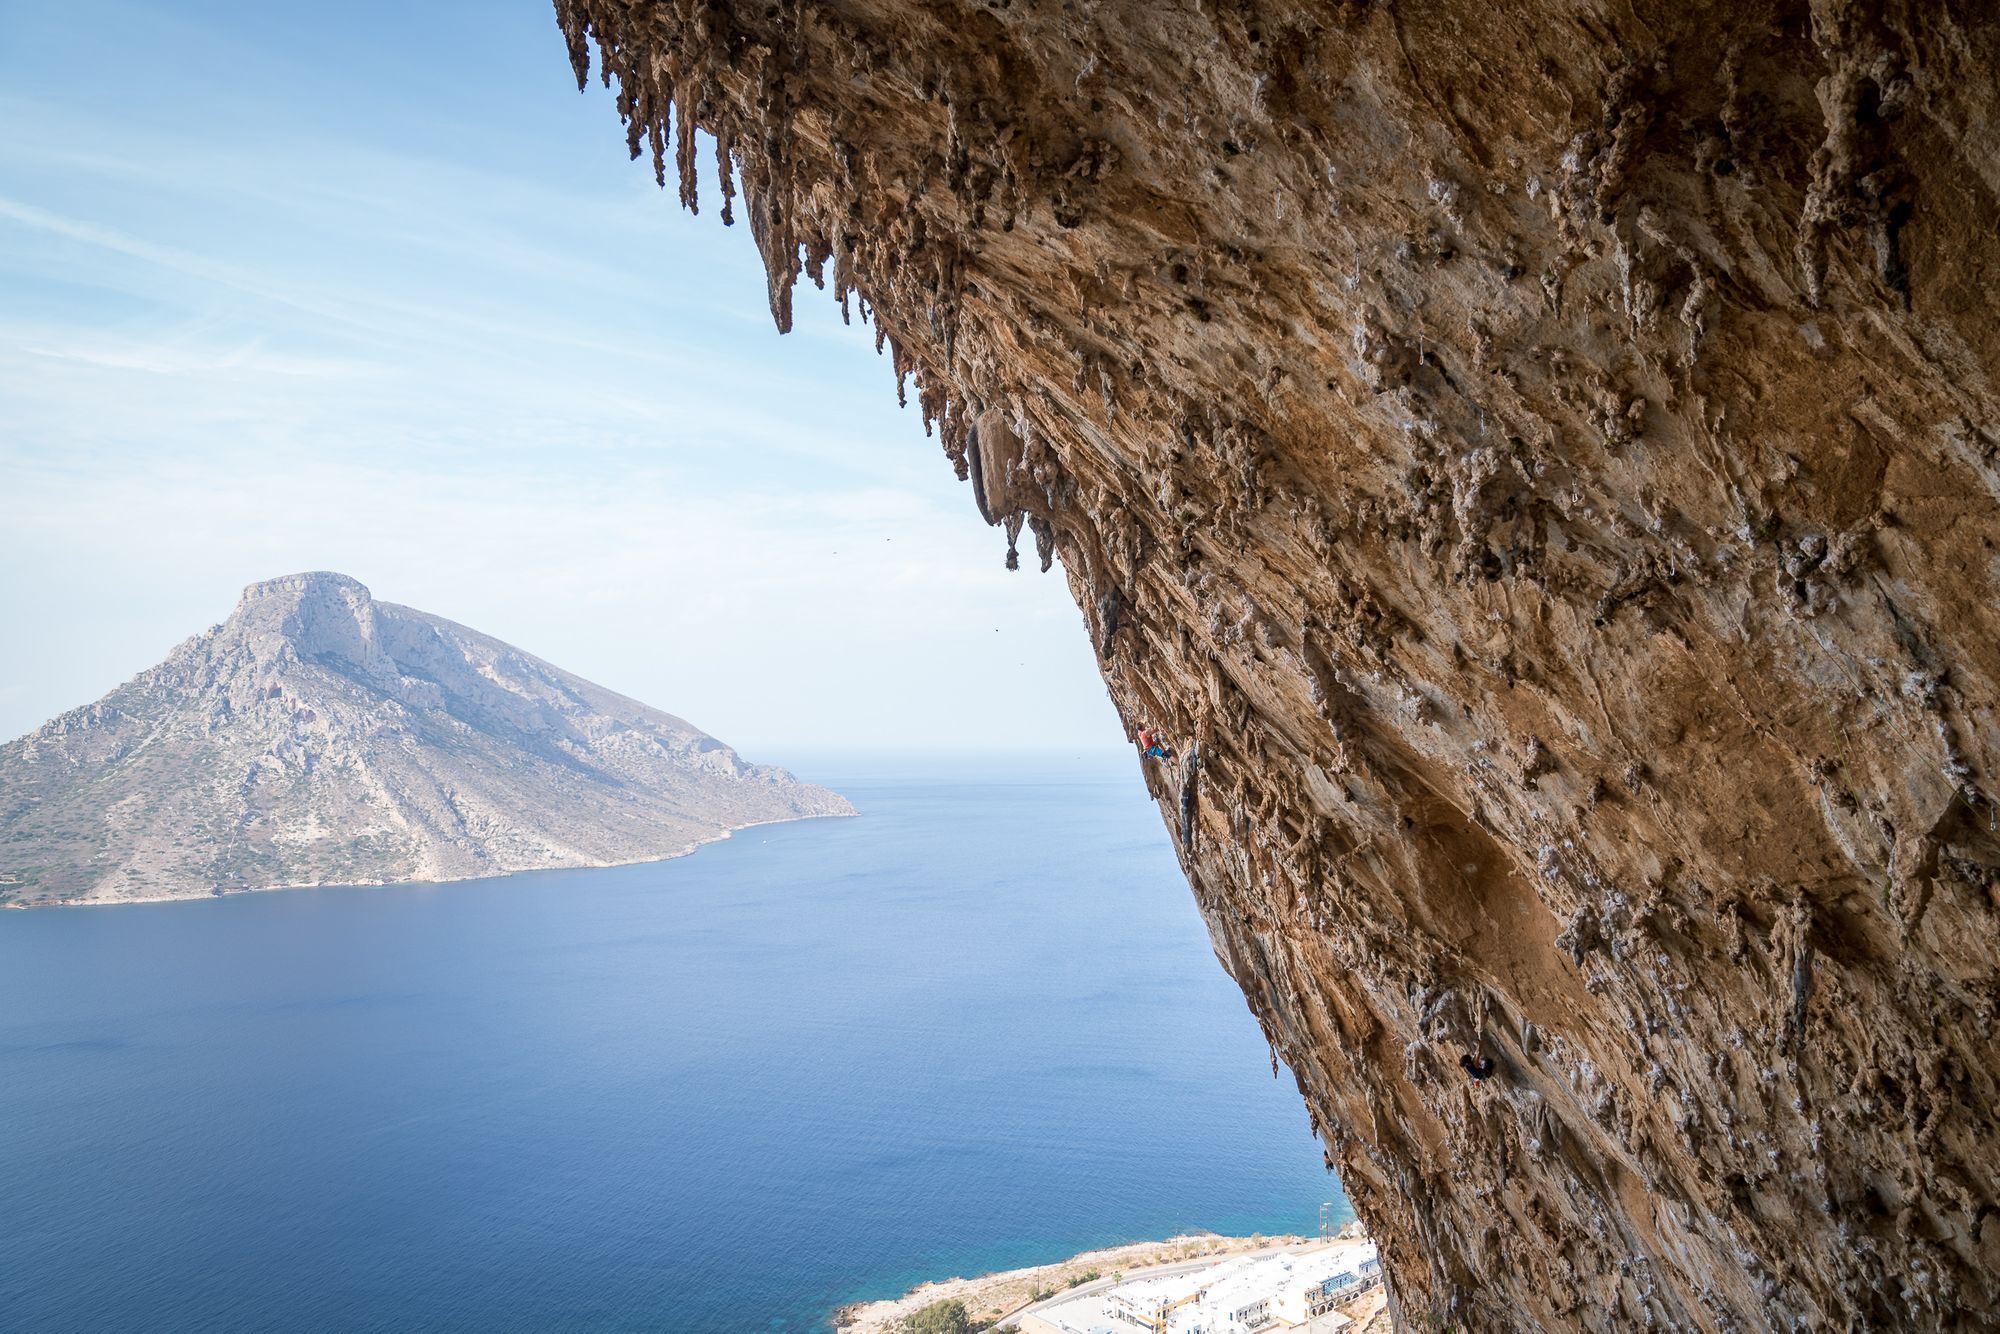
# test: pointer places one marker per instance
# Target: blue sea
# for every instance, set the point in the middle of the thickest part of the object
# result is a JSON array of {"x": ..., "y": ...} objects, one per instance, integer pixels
[{"x": 979, "y": 1027}]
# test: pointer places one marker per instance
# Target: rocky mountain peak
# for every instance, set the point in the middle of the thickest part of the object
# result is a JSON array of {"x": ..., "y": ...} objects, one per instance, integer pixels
[
  {"x": 294, "y": 588},
  {"x": 314, "y": 615},
  {"x": 318, "y": 736}
]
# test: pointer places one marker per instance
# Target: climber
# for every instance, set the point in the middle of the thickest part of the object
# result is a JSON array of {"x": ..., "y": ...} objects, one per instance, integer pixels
[
  {"x": 1479, "y": 1070},
  {"x": 1151, "y": 746}
]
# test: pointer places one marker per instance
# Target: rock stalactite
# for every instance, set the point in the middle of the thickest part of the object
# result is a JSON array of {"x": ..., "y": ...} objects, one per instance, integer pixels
[{"x": 1546, "y": 457}]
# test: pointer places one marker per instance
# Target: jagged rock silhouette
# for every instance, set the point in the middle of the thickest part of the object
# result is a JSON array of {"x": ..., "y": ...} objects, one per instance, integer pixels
[{"x": 1546, "y": 458}]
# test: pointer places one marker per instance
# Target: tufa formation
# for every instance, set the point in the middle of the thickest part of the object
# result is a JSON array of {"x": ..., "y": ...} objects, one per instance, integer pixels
[
  {"x": 1540, "y": 462},
  {"x": 319, "y": 737}
]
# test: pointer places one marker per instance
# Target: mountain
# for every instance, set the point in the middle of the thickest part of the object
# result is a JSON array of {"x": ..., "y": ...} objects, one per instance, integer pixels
[{"x": 318, "y": 736}]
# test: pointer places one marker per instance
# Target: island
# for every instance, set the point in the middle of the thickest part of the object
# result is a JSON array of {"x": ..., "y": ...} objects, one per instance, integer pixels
[{"x": 318, "y": 736}]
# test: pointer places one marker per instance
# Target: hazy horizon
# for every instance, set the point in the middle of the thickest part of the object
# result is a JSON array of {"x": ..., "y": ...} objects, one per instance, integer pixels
[
  {"x": 1105, "y": 746},
  {"x": 283, "y": 295}
]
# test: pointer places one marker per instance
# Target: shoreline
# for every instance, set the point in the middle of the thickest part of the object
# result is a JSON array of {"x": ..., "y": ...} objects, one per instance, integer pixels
[
  {"x": 208, "y": 895},
  {"x": 1002, "y": 1294}
]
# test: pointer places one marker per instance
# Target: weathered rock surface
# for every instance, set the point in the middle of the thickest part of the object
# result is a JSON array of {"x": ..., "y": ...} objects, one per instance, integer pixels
[
  {"x": 1545, "y": 456},
  {"x": 321, "y": 737}
]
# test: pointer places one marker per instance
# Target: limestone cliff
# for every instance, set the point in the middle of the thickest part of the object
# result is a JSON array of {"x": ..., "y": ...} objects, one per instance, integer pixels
[
  {"x": 1545, "y": 457},
  {"x": 319, "y": 737}
]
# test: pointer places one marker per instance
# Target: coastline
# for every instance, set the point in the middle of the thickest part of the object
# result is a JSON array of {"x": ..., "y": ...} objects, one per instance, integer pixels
[
  {"x": 1003, "y": 1294},
  {"x": 203, "y": 896}
]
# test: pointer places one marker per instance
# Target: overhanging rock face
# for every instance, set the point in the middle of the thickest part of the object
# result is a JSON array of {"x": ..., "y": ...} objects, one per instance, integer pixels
[{"x": 1545, "y": 457}]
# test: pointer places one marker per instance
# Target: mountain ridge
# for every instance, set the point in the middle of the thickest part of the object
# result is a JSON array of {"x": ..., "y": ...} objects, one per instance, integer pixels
[{"x": 320, "y": 736}]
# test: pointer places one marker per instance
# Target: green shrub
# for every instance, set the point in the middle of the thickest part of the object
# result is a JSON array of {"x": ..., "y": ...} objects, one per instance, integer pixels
[{"x": 946, "y": 1317}]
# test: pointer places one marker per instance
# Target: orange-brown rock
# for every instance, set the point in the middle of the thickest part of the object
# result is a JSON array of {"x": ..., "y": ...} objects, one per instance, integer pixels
[{"x": 1544, "y": 457}]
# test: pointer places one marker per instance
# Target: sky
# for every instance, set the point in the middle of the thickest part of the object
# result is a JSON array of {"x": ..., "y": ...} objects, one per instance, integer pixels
[{"x": 371, "y": 287}]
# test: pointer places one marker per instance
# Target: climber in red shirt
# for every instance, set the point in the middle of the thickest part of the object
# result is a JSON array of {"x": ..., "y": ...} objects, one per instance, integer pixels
[{"x": 1151, "y": 746}]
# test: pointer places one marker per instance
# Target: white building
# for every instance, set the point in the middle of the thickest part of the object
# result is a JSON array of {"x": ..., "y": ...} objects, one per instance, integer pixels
[
  {"x": 1171, "y": 1302},
  {"x": 1242, "y": 1295},
  {"x": 1320, "y": 1282}
]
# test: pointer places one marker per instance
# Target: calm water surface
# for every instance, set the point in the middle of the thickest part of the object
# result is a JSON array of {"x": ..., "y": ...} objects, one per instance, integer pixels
[{"x": 979, "y": 1027}]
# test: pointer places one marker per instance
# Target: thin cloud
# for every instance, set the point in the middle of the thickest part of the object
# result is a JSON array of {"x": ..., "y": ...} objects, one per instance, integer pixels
[{"x": 171, "y": 357}]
